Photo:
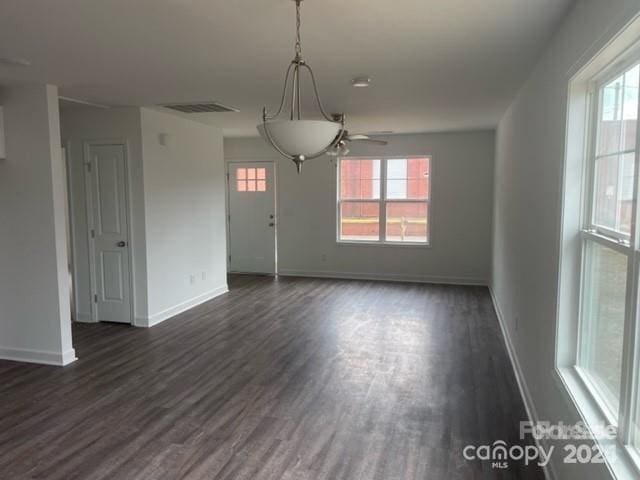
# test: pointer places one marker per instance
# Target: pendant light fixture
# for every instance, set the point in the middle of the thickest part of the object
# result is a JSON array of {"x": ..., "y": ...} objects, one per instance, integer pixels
[{"x": 294, "y": 138}]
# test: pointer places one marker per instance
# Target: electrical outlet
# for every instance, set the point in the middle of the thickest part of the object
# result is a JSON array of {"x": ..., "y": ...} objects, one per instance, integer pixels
[
  {"x": 192, "y": 279},
  {"x": 323, "y": 257},
  {"x": 204, "y": 275}
]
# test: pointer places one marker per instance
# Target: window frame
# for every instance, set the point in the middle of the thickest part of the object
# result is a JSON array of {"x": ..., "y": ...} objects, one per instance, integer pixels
[
  {"x": 594, "y": 107},
  {"x": 382, "y": 202},
  {"x": 620, "y": 242}
]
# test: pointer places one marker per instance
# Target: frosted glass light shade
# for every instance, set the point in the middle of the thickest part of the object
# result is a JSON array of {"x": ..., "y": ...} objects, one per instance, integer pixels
[{"x": 301, "y": 137}]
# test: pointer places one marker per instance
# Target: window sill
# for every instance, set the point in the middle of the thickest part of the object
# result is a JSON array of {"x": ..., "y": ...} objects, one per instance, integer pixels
[
  {"x": 354, "y": 243},
  {"x": 621, "y": 461}
]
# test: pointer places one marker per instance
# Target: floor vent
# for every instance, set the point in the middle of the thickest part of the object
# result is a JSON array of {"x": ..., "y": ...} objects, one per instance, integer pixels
[{"x": 200, "y": 107}]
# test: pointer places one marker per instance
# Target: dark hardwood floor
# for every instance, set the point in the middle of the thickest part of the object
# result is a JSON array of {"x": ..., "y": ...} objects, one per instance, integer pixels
[{"x": 279, "y": 379}]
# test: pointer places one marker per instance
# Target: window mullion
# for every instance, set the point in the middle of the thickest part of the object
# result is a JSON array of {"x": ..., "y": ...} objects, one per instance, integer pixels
[
  {"x": 595, "y": 101},
  {"x": 629, "y": 384},
  {"x": 617, "y": 153},
  {"x": 338, "y": 226},
  {"x": 608, "y": 242},
  {"x": 585, "y": 328},
  {"x": 620, "y": 161},
  {"x": 383, "y": 200}
]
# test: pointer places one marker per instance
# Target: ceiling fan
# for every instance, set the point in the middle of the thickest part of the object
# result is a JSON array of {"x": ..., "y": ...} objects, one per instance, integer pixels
[{"x": 341, "y": 148}]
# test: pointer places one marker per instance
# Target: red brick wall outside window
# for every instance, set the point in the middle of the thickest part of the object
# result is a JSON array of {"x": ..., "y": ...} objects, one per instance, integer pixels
[{"x": 405, "y": 203}]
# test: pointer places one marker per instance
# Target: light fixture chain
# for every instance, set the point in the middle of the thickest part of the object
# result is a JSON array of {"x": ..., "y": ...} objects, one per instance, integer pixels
[{"x": 298, "y": 24}]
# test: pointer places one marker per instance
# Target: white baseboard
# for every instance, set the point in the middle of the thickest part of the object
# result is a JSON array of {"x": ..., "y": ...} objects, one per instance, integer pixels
[
  {"x": 36, "y": 356},
  {"x": 390, "y": 277},
  {"x": 525, "y": 393},
  {"x": 159, "y": 317},
  {"x": 83, "y": 318}
]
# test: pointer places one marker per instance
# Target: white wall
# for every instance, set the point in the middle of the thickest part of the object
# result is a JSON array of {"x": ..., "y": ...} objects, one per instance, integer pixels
[
  {"x": 35, "y": 323},
  {"x": 2, "y": 142},
  {"x": 529, "y": 164},
  {"x": 185, "y": 213},
  {"x": 177, "y": 207},
  {"x": 462, "y": 196},
  {"x": 121, "y": 124}
]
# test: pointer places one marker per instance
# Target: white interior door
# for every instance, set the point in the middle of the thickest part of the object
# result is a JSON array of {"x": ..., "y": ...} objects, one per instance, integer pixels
[
  {"x": 109, "y": 232},
  {"x": 252, "y": 218}
]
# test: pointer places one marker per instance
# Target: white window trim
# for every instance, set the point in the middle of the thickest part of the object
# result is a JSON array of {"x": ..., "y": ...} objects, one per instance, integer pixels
[
  {"x": 624, "y": 244},
  {"x": 622, "y": 459},
  {"x": 382, "y": 201}
]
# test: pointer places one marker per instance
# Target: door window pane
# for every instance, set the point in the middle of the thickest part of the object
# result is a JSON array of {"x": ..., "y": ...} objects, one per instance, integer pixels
[
  {"x": 613, "y": 193},
  {"x": 406, "y": 222},
  {"x": 360, "y": 221},
  {"x": 605, "y": 279},
  {"x": 359, "y": 179},
  {"x": 251, "y": 179}
]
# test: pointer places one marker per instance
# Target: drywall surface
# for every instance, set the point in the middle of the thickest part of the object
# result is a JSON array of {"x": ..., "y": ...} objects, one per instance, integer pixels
[
  {"x": 461, "y": 211},
  {"x": 528, "y": 200},
  {"x": 35, "y": 322},
  {"x": 185, "y": 212},
  {"x": 82, "y": 125}
]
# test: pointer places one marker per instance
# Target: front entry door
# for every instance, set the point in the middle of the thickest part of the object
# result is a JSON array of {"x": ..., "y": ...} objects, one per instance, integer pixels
[
  {"x": 252, "y": 220},
  {"x": 107, "y": 198}
]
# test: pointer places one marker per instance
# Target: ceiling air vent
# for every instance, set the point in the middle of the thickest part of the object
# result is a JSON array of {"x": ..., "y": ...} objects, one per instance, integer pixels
[{"x": 200, "y": 107}]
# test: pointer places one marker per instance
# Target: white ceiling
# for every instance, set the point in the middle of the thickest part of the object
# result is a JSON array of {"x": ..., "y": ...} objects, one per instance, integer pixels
[{"x": 436, "y": 64}]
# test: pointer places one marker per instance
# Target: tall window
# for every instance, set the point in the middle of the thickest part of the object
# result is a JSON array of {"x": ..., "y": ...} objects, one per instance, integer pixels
[
  {"x": 384, "y": 200},
  {"x": 611, "y": 252}
]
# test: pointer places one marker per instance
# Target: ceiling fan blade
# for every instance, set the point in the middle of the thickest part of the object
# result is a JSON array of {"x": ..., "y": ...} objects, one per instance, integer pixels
[
  {"x": 369, "y": 140},
  {"x": 361, "y": 137},
  {"x": 357, "y": 136}
]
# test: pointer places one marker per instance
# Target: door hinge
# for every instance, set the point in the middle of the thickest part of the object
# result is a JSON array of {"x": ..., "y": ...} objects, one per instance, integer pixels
[
  {"x": 93, "y": 233},
  {"x": 229, "y": 218},
  {"x": 95, "y": 298},
  {"x": 88, "y": 164},
  {"x": 229, "y": 257}
]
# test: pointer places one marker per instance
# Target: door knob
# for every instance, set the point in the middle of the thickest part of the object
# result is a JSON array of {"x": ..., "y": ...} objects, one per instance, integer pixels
[
  {"x": 271, "y": 224},
  {"x": 122, "y": 244}
]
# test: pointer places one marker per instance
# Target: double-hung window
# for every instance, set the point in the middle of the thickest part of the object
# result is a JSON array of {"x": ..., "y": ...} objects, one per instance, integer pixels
[
  {"x": 607, "y": 341},
  {"x": 384, "y": 200}
]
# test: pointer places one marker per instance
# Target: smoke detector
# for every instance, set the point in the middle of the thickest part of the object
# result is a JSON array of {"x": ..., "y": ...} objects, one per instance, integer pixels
[{"x": 361, "y": 82}]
